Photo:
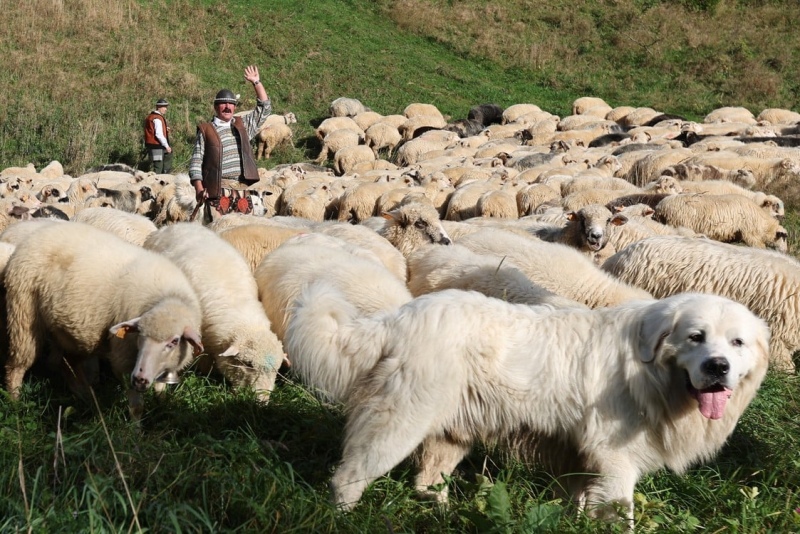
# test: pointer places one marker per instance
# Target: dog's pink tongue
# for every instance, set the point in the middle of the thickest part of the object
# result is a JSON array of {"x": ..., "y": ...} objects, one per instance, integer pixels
[{"x": 712, "y": 401}]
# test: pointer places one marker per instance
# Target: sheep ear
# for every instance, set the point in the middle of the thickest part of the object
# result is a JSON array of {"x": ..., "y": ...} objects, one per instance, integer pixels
[
  {"x": 654, "y": 327},
  {"x": 647, "y": 212},
  {"x": 122, "y": 329},
  {"x": 194, "y": 340},
  {"x": 389, "y": 216},
  {"x": 233, "y": 350},
  {"x": 571, "y": 215},
  {"x": 619, "y": 219}
]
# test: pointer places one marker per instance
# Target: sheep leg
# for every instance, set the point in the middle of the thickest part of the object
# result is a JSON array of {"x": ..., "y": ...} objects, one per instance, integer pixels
[
  {"x": 438, "y": 456},
  {"x": 24, "y": 338}
]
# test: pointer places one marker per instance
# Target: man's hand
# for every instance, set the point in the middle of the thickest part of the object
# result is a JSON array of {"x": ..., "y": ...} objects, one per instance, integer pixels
[
  {"x": 251, "y": 74},
  {"x": 201, "y": 195}
]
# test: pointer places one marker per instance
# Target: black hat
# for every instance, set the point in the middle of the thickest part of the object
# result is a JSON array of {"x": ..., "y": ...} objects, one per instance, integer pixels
[
  {"x": 162, "y": 102},
  {"x": 225, "y": 96}
]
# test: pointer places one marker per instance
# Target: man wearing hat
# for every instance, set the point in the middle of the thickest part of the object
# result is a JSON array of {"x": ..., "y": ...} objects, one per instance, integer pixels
[
  {"x": 222, "y": 159},
  {"x": 156, "y": 138}
]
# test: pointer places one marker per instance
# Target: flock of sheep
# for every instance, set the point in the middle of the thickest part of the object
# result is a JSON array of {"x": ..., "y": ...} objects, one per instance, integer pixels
[{"x": 590, "y": 210}]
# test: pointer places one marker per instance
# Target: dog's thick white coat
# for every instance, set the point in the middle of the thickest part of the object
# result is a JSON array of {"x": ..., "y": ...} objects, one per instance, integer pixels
[{"x": 607, "y": 395}]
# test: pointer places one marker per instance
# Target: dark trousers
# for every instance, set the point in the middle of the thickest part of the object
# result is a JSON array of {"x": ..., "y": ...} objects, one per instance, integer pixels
[{"x": 160, "y": 160}]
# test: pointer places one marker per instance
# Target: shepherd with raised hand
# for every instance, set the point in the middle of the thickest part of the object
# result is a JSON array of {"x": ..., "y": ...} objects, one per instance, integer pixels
[
  {"x": 222, "y": 163},
  {"x": 156, "y": 138}
]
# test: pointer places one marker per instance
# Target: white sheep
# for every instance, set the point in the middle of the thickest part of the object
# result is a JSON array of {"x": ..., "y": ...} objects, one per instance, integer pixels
[
  {"x": 368, "y": 286},
  {"x": 500, "y": 203},
  {"x": 255, "y": 241},
  {"x": 365, "y": 119},
  {"x": 335, "y": 123},
  {"x": 417, "y": 109},
  {"x": 457, "y": 267},
  {"x": 412, "y": 226},
  {"x": 53, "y": 281},
  {"x": 584, "y": 103},
  {"x": 587, "y": 230},
  {"x": 131, "y": 227},
  {"x": 778, "y": 116},
  {"x": 358, "y": 203},
  {"x": 271, "y": 137},
  {"x": 767, "y": 282},
  {"x": 382, "y": 135},
  {"x": 726, "y": 218},
  {"x": 339, "y": 139},
  {"x": 367, "y": 239},
  {"x": 346, "y": 107},
  {"x": 313, "y": 204},
  {"x": 555, "y": 267},
  {"x": 346, "y": 159},
  {"x": 770, "y": 203},
  {"x": 235, "y": 330},
  {"x": 514, "y": 112},
  {"x": 730, "y": 114},
  {"x": 532, "y": 196}
]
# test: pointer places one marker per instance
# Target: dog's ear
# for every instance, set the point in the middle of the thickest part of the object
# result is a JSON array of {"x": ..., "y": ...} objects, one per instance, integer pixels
[{"x": 654, "y": 327}]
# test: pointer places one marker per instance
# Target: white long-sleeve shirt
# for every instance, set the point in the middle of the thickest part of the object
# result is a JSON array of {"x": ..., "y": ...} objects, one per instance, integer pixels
[{"x": 158, "y": 126}]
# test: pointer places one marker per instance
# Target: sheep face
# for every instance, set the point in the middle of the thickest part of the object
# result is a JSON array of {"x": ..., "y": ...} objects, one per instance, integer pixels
[
  {"x": 413, "y": 225},
  {"x": 248, "y": 363},
  {"x": 166, "y": 342},
  {"x": 593, "y": 223}
]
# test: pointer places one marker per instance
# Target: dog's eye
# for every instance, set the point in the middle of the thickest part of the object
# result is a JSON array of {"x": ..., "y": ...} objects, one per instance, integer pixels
[
  {"x": 698, "y": 337},
  {"x": 738, "y": 342}
]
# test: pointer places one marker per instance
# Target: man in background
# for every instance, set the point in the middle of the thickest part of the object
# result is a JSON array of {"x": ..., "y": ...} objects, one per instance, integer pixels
[{"x": 156, "y": 138}]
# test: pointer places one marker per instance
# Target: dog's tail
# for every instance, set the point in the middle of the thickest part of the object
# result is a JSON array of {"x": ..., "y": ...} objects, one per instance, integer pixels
[{"x": 328, "y": 342}]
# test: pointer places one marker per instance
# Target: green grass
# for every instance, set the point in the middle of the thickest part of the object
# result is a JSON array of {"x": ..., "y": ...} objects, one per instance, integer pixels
[
  {"x": 79, "y": 77},
  {"x": 209, "y": 459}
]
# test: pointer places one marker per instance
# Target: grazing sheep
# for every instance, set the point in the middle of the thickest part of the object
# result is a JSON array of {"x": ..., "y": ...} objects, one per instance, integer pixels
[
  {"x": 53, "y": 281},
  {"x": 365, "y": 119},
  {"x": 368, "y": 240},
  {"x": 368, "y": 286},
  {"x": 339, "y": 139},
  {"x": 726, "y": 218},
  {"x": 767, "y": 282},
  {"x": 381, "y": 136},
  {"x": 514, "y": 112},
  {"x": 346, "y": 107},
  {"x": 335, "y": 123},
  {"x": 271, "y": 137},
  {"x": 532, "y": 196},
  {"x": 417, "y": 109},
  {"x": 456, "y": 267},
  {"x": 346, "y": 159},
  {"x": 255, "y": 241},
  {"x": 778, "y": 116},
  {"x": 730, "y": 114},
  {"x": 312, "y": 205},
  {"x": 584, "y": 103},
  {"x": 412, "y": 226},
  {"x": 555, "y": 267},
  {"x": 128, "y": 226},
  {"x": 235, "y": 330}
]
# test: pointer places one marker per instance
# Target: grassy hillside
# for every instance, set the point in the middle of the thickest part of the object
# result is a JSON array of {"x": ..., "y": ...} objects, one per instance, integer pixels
[{"x": 79, "y": 77}]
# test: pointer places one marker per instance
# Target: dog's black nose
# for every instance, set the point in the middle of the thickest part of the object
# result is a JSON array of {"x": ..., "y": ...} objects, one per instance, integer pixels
[{"x": 716, "y": 367}]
